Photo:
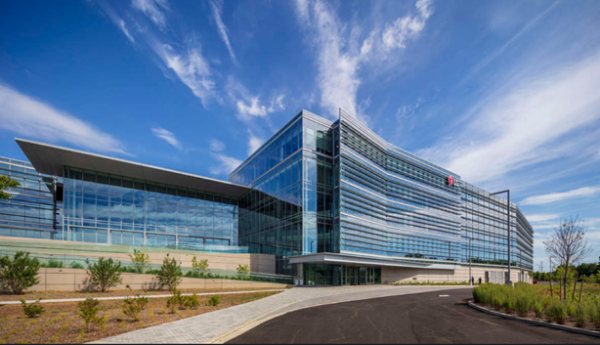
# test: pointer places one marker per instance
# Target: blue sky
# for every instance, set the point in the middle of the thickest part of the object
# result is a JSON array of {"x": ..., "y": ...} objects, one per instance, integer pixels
[{"x": 504, "y": 93}]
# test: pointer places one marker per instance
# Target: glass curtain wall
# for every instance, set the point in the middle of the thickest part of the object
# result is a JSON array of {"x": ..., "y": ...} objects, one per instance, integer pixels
[
  {"x": 102, "y": 208},
  {"x": 33, "y": 211},
  {"x": 393, "y": 204}
]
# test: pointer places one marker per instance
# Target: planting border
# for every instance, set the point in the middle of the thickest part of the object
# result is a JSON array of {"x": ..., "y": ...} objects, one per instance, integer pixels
[{"x": 534, "y": 322}]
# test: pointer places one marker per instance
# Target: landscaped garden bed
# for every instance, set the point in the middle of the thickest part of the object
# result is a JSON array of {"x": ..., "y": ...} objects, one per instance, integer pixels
[
  {"x": 61, "y": 322},
  {"x": 538, "y": 302}
]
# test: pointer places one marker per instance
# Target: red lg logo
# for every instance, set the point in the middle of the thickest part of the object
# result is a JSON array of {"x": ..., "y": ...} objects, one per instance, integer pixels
[{"x": 450, "y": 180}]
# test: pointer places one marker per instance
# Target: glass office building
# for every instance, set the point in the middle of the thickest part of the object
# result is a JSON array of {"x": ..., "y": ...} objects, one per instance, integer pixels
[
  {"x": 35, "y": 211},
  {"x": 332, "y": 201}
]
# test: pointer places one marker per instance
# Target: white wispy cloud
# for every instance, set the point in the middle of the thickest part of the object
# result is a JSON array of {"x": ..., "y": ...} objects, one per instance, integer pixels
[
  {"x": 554, "y": 197},
  {"x": 125, "y": 31},
  {"x": 28, "y": 117},
  {"x": 167, "y": 136},
  {"x": 534, "y": 218},
  {"x": 190, "y": 67},
  {"x": 153, "y": 9},
  {"x": 338, "y": 60},
  {"x": 254, "y": 142},
  {"x": 254, "y": 108},
  {"x": 217, "y": 10},
  {"x": 523, "y": 123},
  {"x": 276, "y": 104},
  {"x": 216, "y": 145},
  {"x": 227, "y": 164}
]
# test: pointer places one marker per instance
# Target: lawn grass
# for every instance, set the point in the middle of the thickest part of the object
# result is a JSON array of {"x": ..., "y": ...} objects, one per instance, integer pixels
[{"x": 60, "y": 323}]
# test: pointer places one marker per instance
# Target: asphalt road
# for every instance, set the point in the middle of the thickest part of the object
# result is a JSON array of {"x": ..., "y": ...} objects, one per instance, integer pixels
[{"x": 409, "y": 319}]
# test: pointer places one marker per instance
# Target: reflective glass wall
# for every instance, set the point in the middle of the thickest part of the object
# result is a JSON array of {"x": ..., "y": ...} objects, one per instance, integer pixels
[
  {"x": 33, "y": 211},
  {"x": 392, "y": 203},
  {"x": 102, "y": 208}
]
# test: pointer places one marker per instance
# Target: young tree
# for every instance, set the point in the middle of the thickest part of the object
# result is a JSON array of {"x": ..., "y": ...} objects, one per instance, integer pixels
[
  {"x": 104, "y": 274},
  {"x": 19, "y": 272},
  {"x": 7, "y": 182},
  {"x": 170, "y": 273},
  {"x": 243, "y": 271},
  {"x": 568, "y": 245},
  {"x": 140, "y": 260},
  {"x": 199, "y": 266}
]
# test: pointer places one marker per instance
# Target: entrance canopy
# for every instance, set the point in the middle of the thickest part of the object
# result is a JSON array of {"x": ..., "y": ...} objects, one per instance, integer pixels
[{"x": 357, "y": 260}]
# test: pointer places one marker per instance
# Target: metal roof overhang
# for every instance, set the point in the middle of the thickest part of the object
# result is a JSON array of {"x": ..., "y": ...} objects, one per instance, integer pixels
[
  {"x": 51, "y": 160},
  {"x": 334, "y": 258}
]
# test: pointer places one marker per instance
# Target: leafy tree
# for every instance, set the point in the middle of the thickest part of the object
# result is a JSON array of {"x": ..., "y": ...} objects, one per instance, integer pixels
[
  {"x": 569, "y": 246},
  {"x": 170, "y": 273},
  {"x": 7, "y": 182},
  {"x": 19, "y": 272},
  {"x": 199, "y": 266},
  {"x": 243, "y": 270},
  {"x": 140, "y": 260},
  {"x": 88, "y": 311},
  {"x": 105, "y": 273}
]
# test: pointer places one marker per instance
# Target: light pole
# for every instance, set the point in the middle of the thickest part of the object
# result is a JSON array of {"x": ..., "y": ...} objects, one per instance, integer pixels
[{"x": 508, "y": 225}]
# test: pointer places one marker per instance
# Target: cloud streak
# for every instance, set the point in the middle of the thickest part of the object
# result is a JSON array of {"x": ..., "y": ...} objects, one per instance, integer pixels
[
  {"x": 153, "y": 9},
  {"x": 22, "y": 114},
  {"x": 217, "y": 11},
  {"x": 582, "y": 192},
  {"x": 167, "y": 136}
]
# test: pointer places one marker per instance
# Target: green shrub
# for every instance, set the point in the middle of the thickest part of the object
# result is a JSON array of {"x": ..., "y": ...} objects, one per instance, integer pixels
[
  {"x": 523, "y": 304},
  {"x": 595, "y": 311},
  {"x": 214, "y": 301},
  {"x": 581, "y": 314},
  {"x": 556, "y": 312},
  {"x": 32, "y": 310},
  {"x": 243, "y": 271},
  {"x": 19, "y": 272},
  {"x": 175, "y": 300},
  {"x": 509, "y": 304},
  {"x": 199, "y": 266},
  {"x": 538, "y": 308},
  {"x": 140, "y": 260},
  {"x": 54, "y": 264},
  {"x": 104, "y": 274},
  {"x": 133, "y": 306},
  {"x": 75, "y": 264},
  {"x": 191, "y": 301},
  {"x": 170, "y": 273},
  {"x": 88, "y": 311}
]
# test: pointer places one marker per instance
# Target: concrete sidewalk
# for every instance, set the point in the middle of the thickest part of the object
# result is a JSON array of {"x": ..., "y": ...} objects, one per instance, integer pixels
[{"x": 223, "y": 325}]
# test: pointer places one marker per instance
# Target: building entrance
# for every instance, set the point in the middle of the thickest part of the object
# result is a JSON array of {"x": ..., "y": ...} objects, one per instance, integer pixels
[{"x": 313, "y": 274}]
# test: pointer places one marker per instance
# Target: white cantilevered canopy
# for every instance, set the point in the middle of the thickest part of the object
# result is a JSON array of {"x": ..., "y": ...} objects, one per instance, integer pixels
[
  {"x": 356, "y": 260},
  {"x": 52, "y": 160}
]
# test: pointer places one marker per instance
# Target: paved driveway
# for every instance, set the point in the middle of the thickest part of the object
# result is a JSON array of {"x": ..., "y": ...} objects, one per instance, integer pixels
[
  {"x": 409, "y": 319},
  {"x": 223, "y": 325}
]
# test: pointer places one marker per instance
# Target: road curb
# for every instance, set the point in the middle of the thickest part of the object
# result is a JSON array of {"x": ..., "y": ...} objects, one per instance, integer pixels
[
  {"x": 534, "y": 322},
  {"x": 250, "y": 324}
]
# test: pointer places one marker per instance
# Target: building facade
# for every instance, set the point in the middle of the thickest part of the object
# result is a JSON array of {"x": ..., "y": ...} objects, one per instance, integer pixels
[{"x": 333, "y": 202}]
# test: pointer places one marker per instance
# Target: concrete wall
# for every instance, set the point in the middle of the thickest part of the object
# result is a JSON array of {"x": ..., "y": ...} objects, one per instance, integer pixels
[
  {"x": 69, "y": 279},
  {"x": 260, "y": 263},
  {"x": 401, "y": 274}
]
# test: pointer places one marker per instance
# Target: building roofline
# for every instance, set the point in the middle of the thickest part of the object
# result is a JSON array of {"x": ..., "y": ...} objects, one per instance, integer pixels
[{"x": 51, "y": 159}]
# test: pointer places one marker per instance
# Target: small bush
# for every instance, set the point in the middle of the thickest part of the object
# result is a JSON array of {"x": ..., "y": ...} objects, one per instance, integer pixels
[
  {"x": 509, "y": 304},
  {"x": 104, "y": 274},
  {"x": 191, "y": 302},
  {"x": 523, "y": 303},
  {"x": 140, "y": 260},
  {"x": 88, "y": 311},
  {"x": 54, "y": 264},
  {"x": 175, "y": 300},
  {"x": 581, "y": 314},
  {"x": 133, "y": 306},
  {"x": 538, "y": 308},
  {"x": 556, "y": 312},
  {"x": 77, "y": 265},
  {"x": 595, "y": 311},
  {"x": 243, "y": 271},
  {"x": 214, "y": 301},
  {"x": 170, "y": 273},
  {"x": 199, "y": 266},
  {"x": 32, "y": 310},
  {"x": 19, "y": 272}
]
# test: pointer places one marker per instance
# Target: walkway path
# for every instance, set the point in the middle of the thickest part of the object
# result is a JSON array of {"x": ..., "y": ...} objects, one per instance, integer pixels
[{"x": 223, "y": 325}]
